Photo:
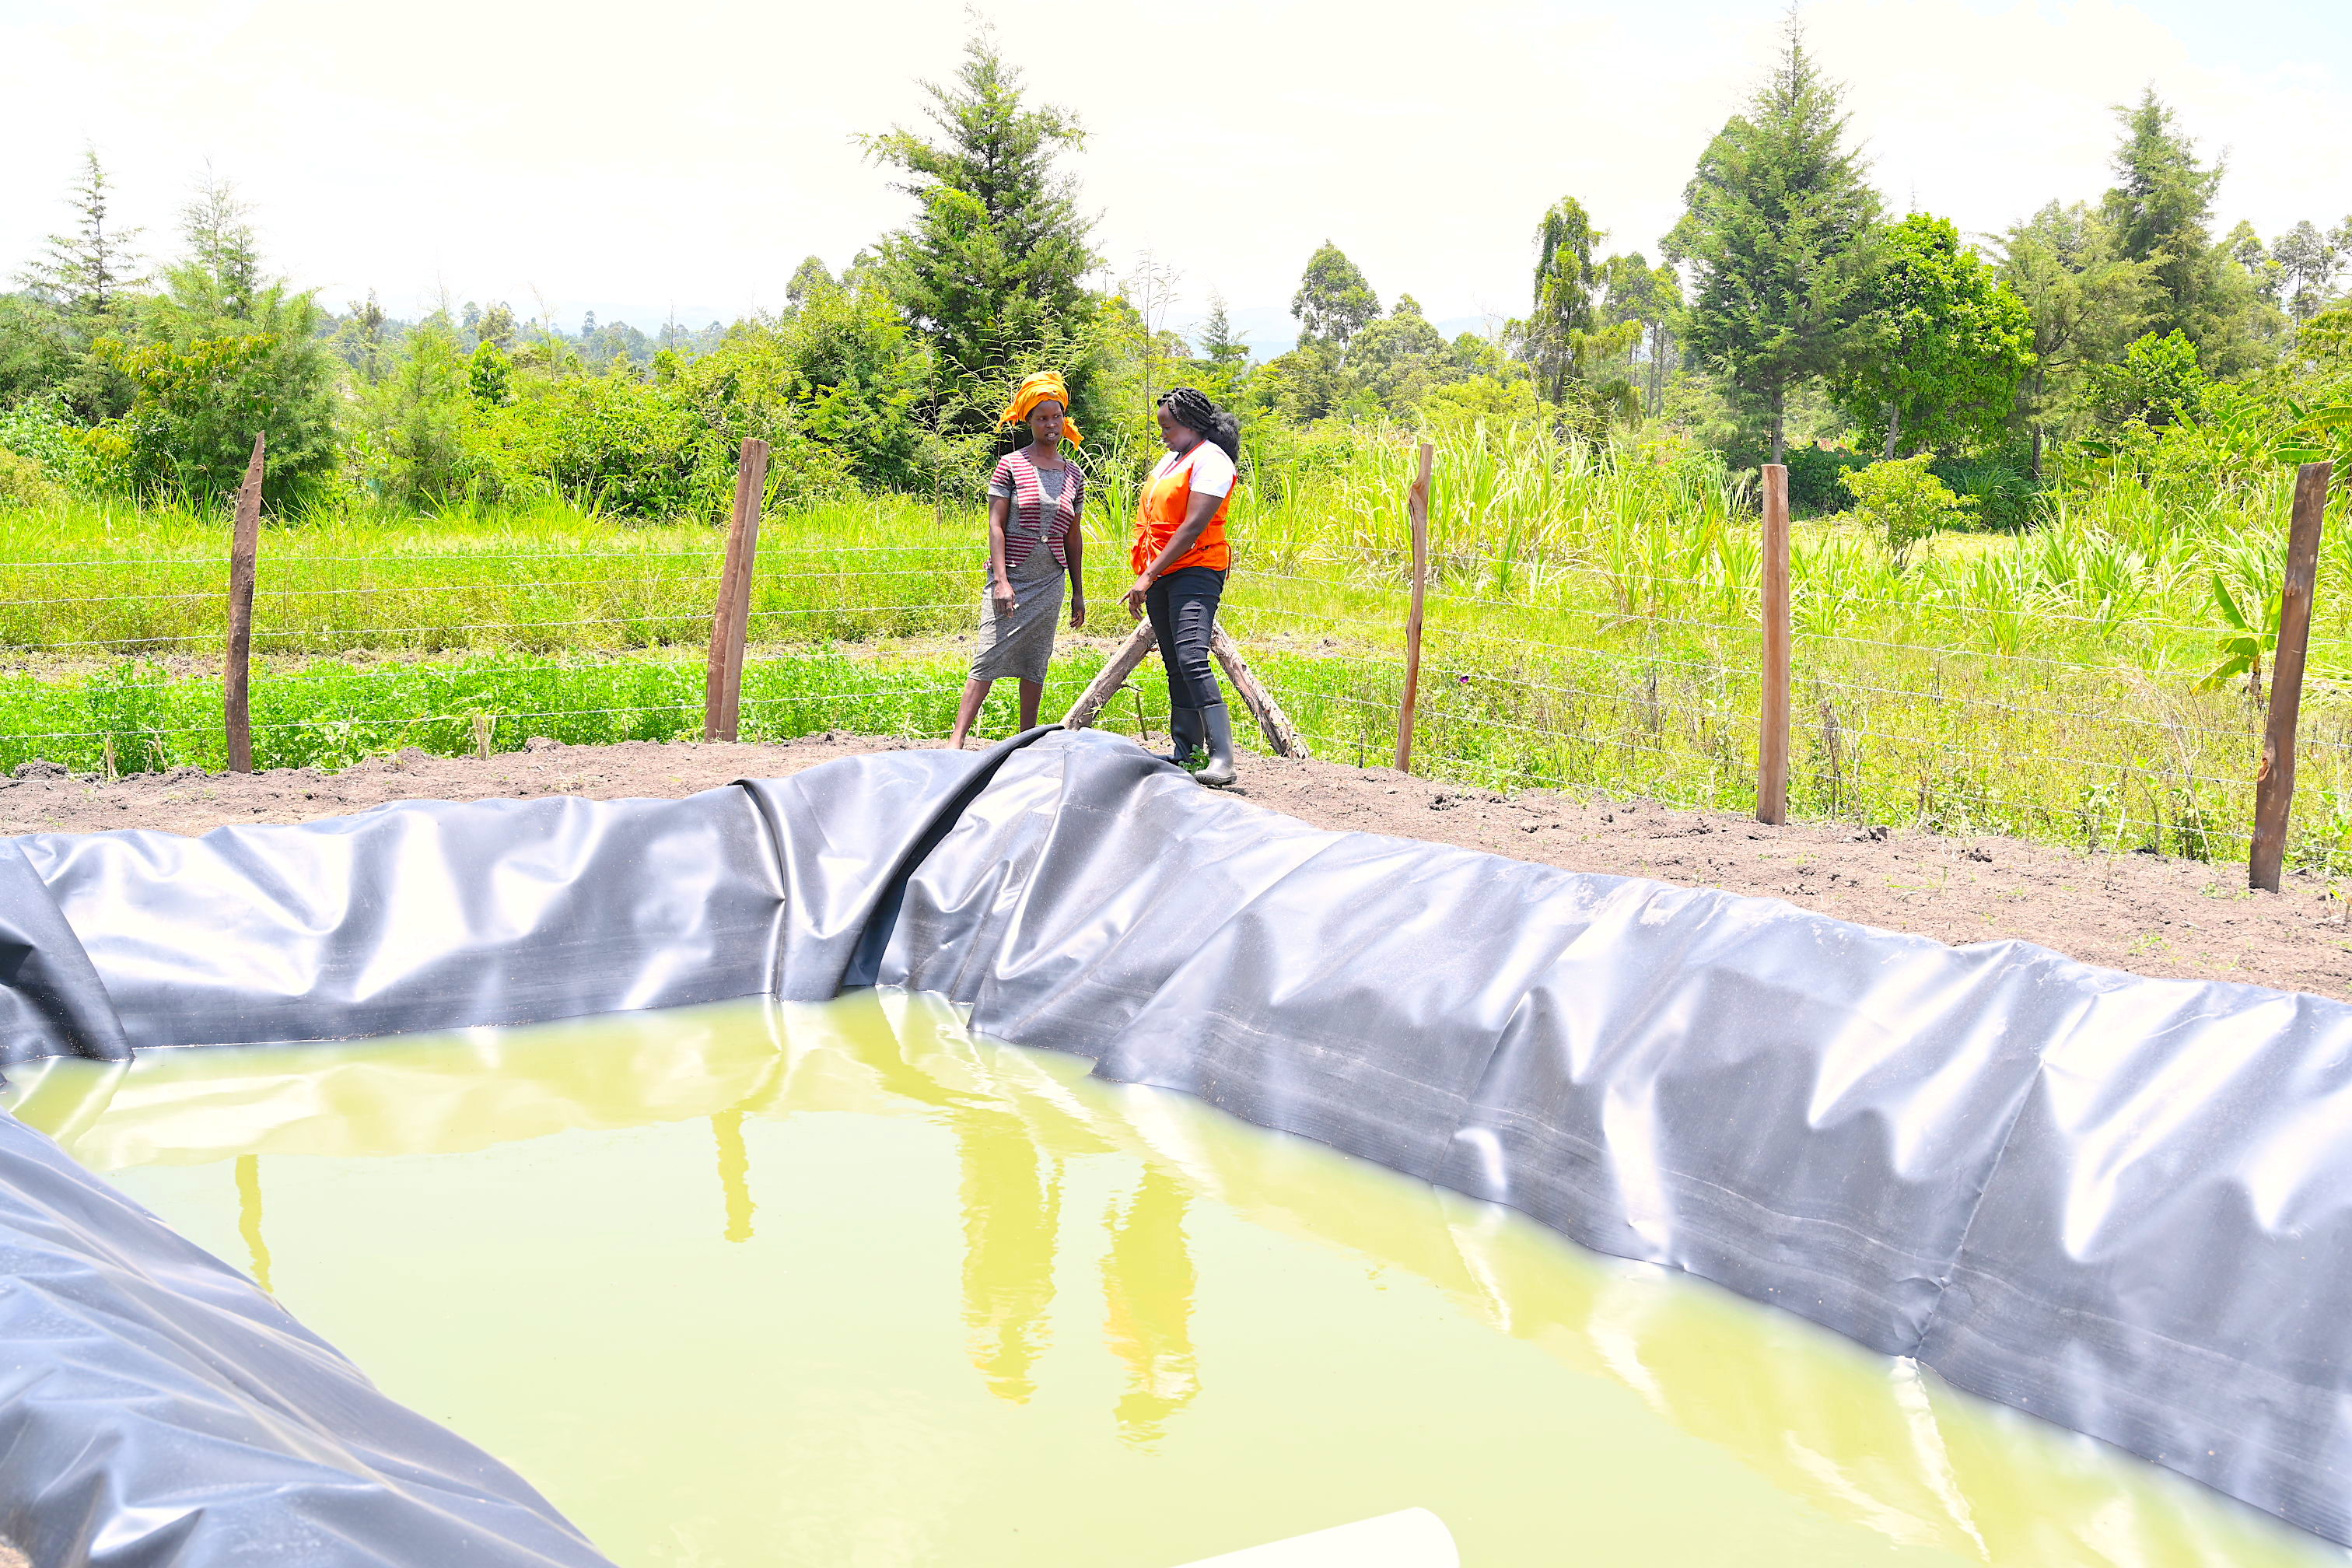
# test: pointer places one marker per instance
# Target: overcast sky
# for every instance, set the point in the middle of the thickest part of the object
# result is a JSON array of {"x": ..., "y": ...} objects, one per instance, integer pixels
[{"x": 644, "y": 159}]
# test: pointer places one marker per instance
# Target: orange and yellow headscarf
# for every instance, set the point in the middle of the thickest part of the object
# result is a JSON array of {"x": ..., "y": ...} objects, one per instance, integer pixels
[{"x": 1035, "y": 389}]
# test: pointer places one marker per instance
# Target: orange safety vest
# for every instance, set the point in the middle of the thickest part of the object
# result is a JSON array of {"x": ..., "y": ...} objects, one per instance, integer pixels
[{"x": 1167, "y": 502}]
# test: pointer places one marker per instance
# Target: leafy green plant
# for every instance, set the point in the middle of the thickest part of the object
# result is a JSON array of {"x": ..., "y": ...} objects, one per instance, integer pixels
[
  {"x": 24, "y": 483},
  {"x": 2247, "y": 641},
  {"x": 1903, "y": 503}
]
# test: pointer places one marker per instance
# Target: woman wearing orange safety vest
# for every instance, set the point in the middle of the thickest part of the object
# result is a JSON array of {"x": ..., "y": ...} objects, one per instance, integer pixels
[{"x": 1180, "y": 558}]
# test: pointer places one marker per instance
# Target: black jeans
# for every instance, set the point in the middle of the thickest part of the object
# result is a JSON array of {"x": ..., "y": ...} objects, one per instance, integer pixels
[{"x": 1184, "y": 608}]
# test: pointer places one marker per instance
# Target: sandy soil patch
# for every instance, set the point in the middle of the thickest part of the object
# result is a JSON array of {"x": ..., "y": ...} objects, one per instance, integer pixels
[{"x": 2137, "y": 912}]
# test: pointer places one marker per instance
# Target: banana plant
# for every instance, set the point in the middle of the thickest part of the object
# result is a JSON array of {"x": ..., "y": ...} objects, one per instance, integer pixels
[
  {"x": 2247, "y": 640},
  {"x": 2306, "y": 440}
]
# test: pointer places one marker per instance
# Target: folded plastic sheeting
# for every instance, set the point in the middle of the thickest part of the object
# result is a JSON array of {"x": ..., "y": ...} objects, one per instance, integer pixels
[
  {"x": 2122, "y": 1205},
  {"x": 156, "y": 1408}
]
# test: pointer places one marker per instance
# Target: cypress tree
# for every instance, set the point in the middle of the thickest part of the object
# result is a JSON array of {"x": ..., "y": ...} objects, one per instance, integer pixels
[
  {"x": 1567, "y": 278},
  {"x": 990, "y": 272},
  {"x": 1779, "y": 228},
  {"x": 2161, "y": 211}
]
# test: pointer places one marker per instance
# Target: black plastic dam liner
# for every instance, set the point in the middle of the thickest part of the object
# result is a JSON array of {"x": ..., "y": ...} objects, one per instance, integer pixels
[{"x": 2123, "y": 1204}]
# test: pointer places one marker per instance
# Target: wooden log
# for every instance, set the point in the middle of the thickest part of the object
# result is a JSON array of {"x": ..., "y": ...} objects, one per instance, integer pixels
[
  {"x": 1112, "y": 676},
  {"x": 1280, "y": 733},
  {"x": 1772, "y": 741},
  {"x": 1417, "y": 508},
  {"x": 244, "y": 552},
  {"x": 722, "y": 680},
  {"x": 2275, "y": 784}
]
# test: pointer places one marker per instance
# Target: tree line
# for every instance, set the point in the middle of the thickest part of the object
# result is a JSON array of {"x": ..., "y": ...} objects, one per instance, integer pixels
[{"x": 1788, "y": 316}]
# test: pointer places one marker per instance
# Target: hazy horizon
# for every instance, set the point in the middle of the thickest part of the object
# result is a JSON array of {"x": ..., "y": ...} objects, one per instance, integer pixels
[{"x": 586, "y": 164}]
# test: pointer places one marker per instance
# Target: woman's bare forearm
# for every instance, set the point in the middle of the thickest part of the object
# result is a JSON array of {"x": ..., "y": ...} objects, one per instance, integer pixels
[{"x": 997, "y": 571}]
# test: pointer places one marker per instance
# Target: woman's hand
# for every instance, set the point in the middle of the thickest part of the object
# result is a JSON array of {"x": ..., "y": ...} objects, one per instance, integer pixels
[
  {"x": 1079, "y": 611},
  {"x": 1135, "y": 597},
  {"x": 1005, "y": 602}
]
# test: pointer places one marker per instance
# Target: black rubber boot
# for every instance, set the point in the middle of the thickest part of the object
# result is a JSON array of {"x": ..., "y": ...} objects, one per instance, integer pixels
[
  {"x": 1219, "y": 771},
  {"x": 1185, "y": 737}
]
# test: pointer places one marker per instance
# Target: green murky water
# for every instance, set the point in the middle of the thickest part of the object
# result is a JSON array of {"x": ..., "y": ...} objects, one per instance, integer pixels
[{"x": 847, "y": 1286}]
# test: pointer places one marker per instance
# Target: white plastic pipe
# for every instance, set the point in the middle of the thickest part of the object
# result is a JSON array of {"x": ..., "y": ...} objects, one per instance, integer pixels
[{"x": 1415, "y": 1538}]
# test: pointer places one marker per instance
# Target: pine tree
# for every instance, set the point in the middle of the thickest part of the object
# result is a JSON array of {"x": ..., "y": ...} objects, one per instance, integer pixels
[
  {"x": 2161, "y": 211},
  {"x": 90, "y": 272},
  {"x": 224, "y": 260},
  {"x": 991, "y": 271},
  {"x": 1218, "y": 346},
  {"x": 1781, "y": 226},
  {"x": 1566, "y": 281}
]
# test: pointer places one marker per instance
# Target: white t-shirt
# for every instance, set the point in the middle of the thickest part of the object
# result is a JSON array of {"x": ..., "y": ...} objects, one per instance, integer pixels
[{"x": 1213, "y": 471}]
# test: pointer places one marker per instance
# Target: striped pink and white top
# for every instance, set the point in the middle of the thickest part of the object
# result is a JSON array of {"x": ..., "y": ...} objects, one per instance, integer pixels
[{"x": 1033, "y": 514}]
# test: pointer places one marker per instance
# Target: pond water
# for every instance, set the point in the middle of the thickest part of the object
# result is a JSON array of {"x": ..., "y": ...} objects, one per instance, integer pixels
[{"x": 846, "y": 1285}]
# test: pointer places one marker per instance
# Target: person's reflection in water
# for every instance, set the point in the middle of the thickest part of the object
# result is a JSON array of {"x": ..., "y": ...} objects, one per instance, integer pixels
[
  {"x": 248, "y": 1216},
  {"x": 1012, "y": 1210},
  {"x": 734, "y": 1172},
  {"x": 1148, "y": 1284}
]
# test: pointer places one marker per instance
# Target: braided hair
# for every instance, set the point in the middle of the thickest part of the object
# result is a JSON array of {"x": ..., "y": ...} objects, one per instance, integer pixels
[{"x": 1191, "y": 408}]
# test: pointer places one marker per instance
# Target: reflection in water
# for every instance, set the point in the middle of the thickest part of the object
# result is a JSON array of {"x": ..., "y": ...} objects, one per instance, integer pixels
[
  {"x": 734, "y": 1172},
  {"x": 1011, "y": 1192},
  {"x": 1147, "y": 1283},
  {"x": 249, "y": 1215},
  {"x": 991, "y": 1142}
]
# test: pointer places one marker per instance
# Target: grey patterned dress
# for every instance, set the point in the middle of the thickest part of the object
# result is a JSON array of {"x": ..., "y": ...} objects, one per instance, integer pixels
[{"x": 1022, "y": 644}]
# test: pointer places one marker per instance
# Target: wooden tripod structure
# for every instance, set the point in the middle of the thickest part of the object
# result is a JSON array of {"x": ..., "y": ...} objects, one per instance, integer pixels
[{"x": 1280, "y": 733}]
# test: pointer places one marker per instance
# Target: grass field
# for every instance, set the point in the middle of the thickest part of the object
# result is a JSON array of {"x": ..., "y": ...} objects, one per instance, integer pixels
[{"x": 1591, "y": 623}]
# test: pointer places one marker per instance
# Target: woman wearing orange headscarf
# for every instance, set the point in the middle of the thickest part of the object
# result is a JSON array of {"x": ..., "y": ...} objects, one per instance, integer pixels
[{"x": 1033, "y": 500}]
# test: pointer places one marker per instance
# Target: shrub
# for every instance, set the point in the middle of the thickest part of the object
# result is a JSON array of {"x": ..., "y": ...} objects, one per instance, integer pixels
[
  {"x": 197, "y": 402},
  {"x": 1817, "y": 478},
  {"x": 2004, "y": 493},
  {"x": 24, "y": 483},
  {"x": 44, "y": 430},
  {"x": 1906, "y": 503}
]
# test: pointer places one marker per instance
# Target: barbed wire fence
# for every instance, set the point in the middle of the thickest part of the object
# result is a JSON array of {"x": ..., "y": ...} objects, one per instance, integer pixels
[
  {"x": 1641, "y": 689},
  {"x": 118, "y": 660},
  {"x": 1538, "y": 672}
]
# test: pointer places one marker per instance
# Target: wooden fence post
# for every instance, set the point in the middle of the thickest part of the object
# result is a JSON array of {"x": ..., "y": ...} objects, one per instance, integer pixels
[
  {"x": 1772, "y": 742},
  {"x": 722, "y": 680},
  {"x": 1417, "y": 506},
  {"x": 244, "y": 548},
  {"x": 2275, "y": 784}
]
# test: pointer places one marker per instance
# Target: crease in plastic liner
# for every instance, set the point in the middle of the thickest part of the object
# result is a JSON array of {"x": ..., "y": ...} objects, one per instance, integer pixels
[
  {"x": 1414, "y": 1538},
  {"x": 2122, "y": 1205}
]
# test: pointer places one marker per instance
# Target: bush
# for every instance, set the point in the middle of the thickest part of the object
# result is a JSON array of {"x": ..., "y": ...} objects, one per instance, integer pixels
[
  {"x": 2004, "y": 494},
  {"x": 1906, "y": 503},
  {"x": 1817, "y": 478},
  {"x": 24, "y": 483},
  {"x": 199, "y": 400},
  {"x": 44, "y": 430}
]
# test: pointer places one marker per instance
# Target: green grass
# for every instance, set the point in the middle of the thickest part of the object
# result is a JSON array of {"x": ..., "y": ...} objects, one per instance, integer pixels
[
  {"x": 331, "y": 714},
  {"x": 1591, "y": 623}
]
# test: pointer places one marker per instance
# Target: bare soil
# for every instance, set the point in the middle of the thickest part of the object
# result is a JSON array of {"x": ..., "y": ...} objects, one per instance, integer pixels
[{"x": 2138, "y": 913}]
